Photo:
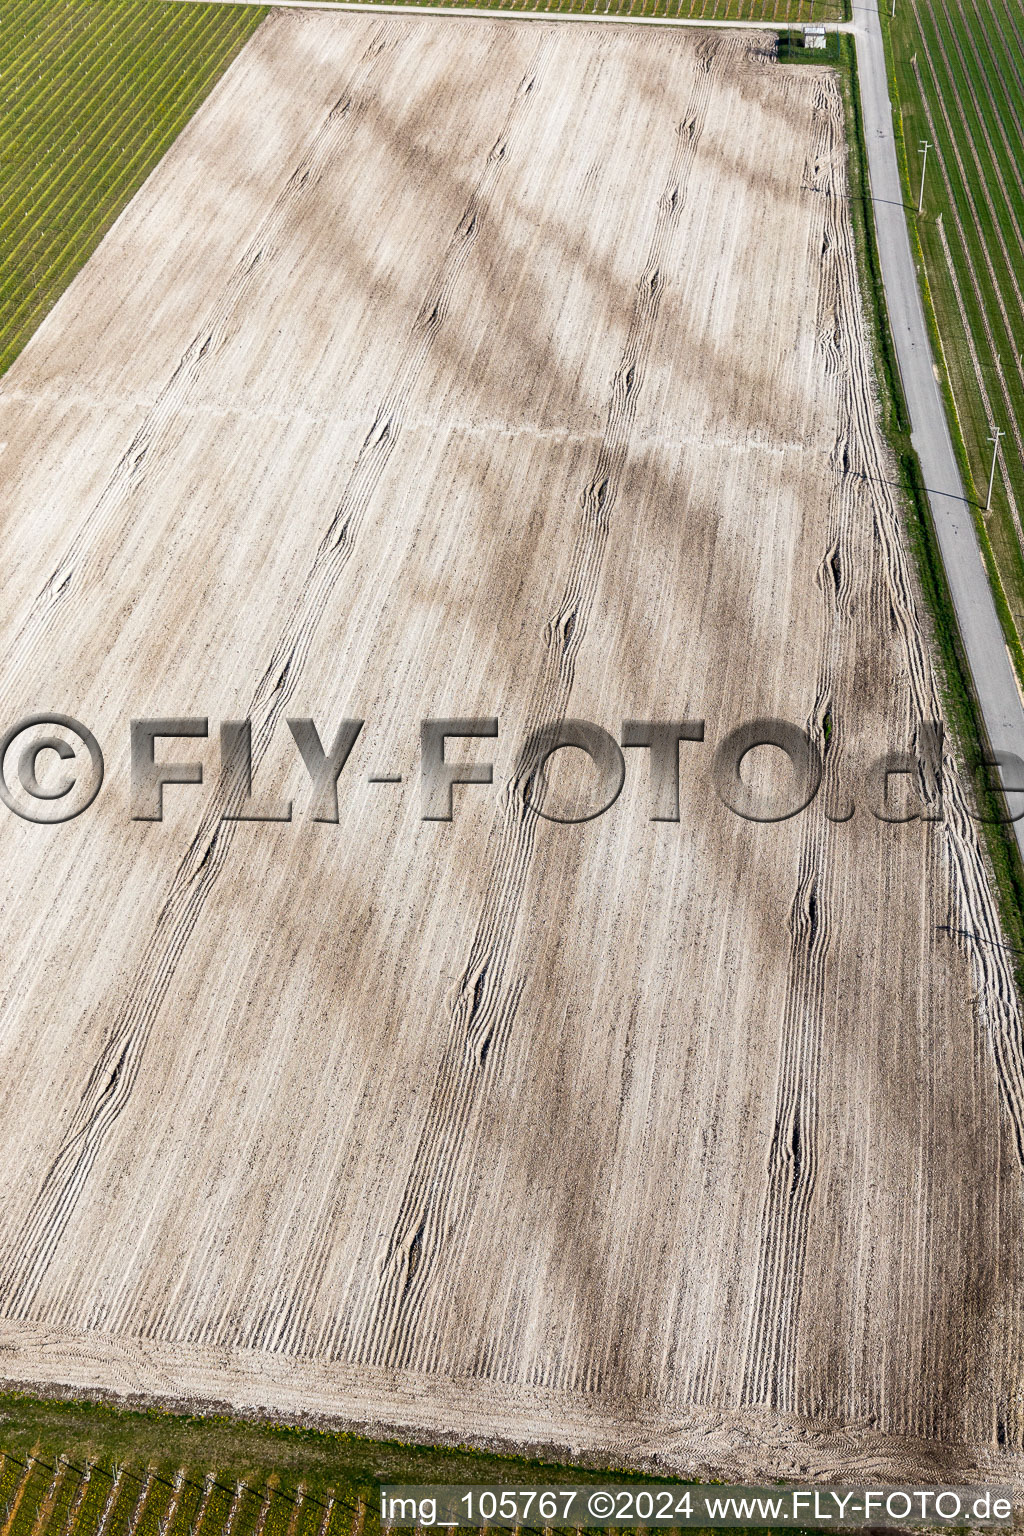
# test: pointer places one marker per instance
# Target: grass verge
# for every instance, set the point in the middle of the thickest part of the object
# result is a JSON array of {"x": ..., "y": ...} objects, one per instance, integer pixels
[
  {"x": 772, "y": 12},
  {"x": 77, "y": 1467}
]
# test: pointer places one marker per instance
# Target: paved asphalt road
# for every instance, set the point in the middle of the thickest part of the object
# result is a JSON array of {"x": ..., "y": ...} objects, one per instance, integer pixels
[{"x": 986, "y": 650}]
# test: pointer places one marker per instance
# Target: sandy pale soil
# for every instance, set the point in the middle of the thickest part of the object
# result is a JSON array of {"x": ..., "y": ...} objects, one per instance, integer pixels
[{"x": 471, "y": 369}]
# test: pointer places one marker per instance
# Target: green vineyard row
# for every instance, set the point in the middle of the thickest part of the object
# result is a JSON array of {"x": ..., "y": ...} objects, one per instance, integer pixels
[
  {"x": 91, "y": 95},
  {"x": 959, "y": 78}
]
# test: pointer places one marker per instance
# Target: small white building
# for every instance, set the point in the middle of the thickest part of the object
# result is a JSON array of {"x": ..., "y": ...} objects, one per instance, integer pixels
[{"x": 814, "y": 35}]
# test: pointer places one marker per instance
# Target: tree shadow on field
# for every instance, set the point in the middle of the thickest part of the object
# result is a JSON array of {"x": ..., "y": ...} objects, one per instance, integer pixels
[
  {"x": 528, "y": 352},
  {"x": 588, "y": 1273},
  {"x": 559, "y": 244},
  {"x": 509, "y": 231}
]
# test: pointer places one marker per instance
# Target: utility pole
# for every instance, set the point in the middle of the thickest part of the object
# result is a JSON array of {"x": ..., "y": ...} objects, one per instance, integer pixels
[
  {"x": 925, "y": 147},
  {"x": 894, "y": 10},
  {"x": 992, "y": 477}
]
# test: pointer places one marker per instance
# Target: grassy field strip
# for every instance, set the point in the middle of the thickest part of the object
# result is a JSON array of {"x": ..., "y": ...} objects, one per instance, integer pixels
[
  {"x": 297, "y": 1510},
  {"x": 167, "y": 1517},
  {"x": 325, "y": 1518},
  {"x": 89, "y": 168},
  {"x": 92, "y": 95},
  {"x": 16, "y": 1493},
  {"x": 992, "y": 147},
  {"x": 90, "y": 172},
  {"x": 87, "y": 156},
  {"x": 534, "y": 13},
  {"x": 64, "y": 1499},
  {"x": 79, "y": 1499},
  {"x": 111, "y": 1502},
  {"x": 982, "y": 222},
  {"x": 975, "y": 361},
  {"x": 692, "y": 12},
  {"x": 140, "y": 1501},
  {"x": 982, "y": 312},
  {"x": 48, "y": 1500},
  {"x": 990, "y": 88},
  {"x": 200, "y": 1511},
  {"x": 457, "y": 8},
  {"x": 960, "y": 85}
]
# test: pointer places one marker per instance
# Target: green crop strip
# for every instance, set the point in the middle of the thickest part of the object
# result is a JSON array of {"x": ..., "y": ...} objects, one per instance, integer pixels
[
  {"x": 92, "y": 93},
  {"x": 773, "y": 12},
  {"x": 78, "y": 1468},
  {"x": 957, "y": 72}
]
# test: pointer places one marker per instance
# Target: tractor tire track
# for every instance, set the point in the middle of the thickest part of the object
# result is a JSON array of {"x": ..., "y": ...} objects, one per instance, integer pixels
[
  {"x": 389, "y": 1317},
  {"x": 107, "y": 524},
  {"x": 113, "y": 1076},
  {"x": 771, "y": 1375}
]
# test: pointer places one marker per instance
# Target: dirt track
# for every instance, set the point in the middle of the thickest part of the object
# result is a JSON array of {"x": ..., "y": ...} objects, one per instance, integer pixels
[{"x": 479, "y": 368}]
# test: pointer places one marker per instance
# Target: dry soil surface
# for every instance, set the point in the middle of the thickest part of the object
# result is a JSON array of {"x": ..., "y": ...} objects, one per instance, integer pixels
[{"x": 481, "y": 368}]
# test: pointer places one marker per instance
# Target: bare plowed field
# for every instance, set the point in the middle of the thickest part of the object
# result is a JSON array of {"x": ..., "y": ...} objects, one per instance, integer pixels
[{"x": 455, "y": 369}]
